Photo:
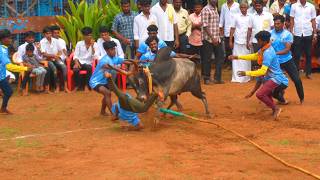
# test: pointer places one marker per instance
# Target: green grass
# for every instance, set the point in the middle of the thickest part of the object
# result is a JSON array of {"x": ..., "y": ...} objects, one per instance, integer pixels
[
  {"x": 282, "y": 142},
  {"x": 8, "y": 132},
  {"x": 21, "y": 143}
]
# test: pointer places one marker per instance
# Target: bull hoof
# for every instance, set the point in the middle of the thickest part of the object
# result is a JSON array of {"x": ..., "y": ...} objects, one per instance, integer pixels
[{"x": 209, "y": 116}]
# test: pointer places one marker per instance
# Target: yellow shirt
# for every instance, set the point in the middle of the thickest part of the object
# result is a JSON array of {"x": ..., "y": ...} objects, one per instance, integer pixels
[{"x": 184, "y": 23}]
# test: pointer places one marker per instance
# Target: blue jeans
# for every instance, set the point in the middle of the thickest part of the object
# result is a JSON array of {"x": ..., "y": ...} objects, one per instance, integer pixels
[{"x": 7, "y": 92}]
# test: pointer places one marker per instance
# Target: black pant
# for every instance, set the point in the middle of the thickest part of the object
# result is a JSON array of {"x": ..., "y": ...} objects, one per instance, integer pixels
[
  {"x": 206, "y": 51},
  {"x": 302, "y": 44},
  {"x": 228, "y": 50},
  {"x": 293, "y": 73},
  {"x": 84, "y": 80},
  {"x": 184, "y": 43},
  {"x": 170, "y": 43},
  {"x": 278, "y": 93},
  {"x": 195, "y": 50},
  {"x": 7, "y": 93}
]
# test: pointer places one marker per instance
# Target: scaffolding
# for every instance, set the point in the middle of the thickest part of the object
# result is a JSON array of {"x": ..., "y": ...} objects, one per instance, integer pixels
[{"x": 31, "y": 8}]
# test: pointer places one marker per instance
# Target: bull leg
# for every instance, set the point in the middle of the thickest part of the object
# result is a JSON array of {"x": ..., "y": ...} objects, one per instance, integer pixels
[{"x": 201, "y": 95}]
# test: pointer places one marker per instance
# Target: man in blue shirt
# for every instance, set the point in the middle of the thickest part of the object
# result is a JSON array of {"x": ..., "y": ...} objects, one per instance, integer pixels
[
  {"x": 5, "y": 63},
  {"x": 281, "y": 41},
  {"x": 143, "y": 47},
  {"x": 98, "y": 81},
  {"x": 270, "y": 68}
]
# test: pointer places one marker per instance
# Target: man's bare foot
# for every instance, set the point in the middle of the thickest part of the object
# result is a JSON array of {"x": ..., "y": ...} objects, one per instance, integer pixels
[
  {"x": 56, "y": 90},
  {"x": 276, "y": 113},
  {"x": 114, "y": 118},
  {"x": 138, "y": 127},
  {"x": 283, "y": 103},
  {"x": 66, "y": 90},
  {"x": 103, "y": 113},
  {"x": 301, "y": 101},
  {"x": 5, "y": 112},
  {"x": 24, "y": 93},
  {"x": 75, "y": 89}
]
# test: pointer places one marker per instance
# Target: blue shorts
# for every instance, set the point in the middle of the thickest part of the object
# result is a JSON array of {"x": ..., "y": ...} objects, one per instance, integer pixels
[{"x": 124, "y": 115}]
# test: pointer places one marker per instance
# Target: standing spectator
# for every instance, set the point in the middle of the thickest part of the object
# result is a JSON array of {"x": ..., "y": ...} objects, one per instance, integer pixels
[
  {"x": 63, "y": 47},
  {"x": 211, "y": 42},
  {"x": 29, "y": 38},
  {"x": 239, "y": 42},
  {"x": 51, "y": 51},
  {"x": 252, "y": 9},
  {"x": 195, "y": 37},
  {"x": 318, "y": 34},
  {"x": 184, "y": 25},
  {"x": 141, "y": 23},
  {"x": 83, "y": 58},
  {"x": 229, "y": 10},
  {"x": 261, "y": 20},
  {"x": 277, "y": 7},
  {"x": 105, "y": 36},
  {"x": 281, "y": 41},
  {"x": 122, "y": 27},
  {"x": 303, "y": 27},
  {"x": 287, "y": 7},
  {"x": 167, "y": 23}
]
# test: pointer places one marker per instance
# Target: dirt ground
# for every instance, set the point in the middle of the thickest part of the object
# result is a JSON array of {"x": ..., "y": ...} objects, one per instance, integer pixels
[{"x": 177, "y": 149}]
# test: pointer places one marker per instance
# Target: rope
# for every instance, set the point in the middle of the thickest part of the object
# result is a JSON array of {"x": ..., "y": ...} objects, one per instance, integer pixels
[{"x": 257, "y": 146}]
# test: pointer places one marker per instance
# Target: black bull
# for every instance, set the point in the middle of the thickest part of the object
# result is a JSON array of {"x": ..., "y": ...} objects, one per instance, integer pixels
[{"x": 172, "y": 76}]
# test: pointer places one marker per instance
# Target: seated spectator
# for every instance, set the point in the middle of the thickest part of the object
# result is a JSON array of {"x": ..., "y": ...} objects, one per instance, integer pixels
[
  {"x": 83, "y": 58},
  {"x": 143, "y": 47},
  {"x": 318, "y": 32},
  {"x": 31, "y": 60},
  {"x": 56, "y": 34},
  {"x": 29, "y": 38},
  {"x": 52, "y": 52},
  {"x": 105, "y": 36}
]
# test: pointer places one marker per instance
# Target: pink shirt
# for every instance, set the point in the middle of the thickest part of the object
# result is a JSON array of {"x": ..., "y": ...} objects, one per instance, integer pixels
[{"x": 195, "y": 37}]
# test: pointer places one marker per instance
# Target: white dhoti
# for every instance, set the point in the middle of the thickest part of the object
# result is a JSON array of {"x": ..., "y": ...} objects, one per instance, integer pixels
[
  {"x": 240, "y": 65},
  {"x": 11, "y": 75}
]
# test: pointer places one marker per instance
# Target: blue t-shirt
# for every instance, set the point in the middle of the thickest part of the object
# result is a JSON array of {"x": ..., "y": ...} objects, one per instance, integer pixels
[
  {"x": 287, "y": 9},
  {"x": 143, "y": 47},
  {"x": 151, "y": 56},
  {"x": 4, "y": 60},
  {"x": 98, "y": 74},
  {"x": 278, "y": 42},
  {"x": 274, "y": 73},
  {"x": 125, "y": 115}
]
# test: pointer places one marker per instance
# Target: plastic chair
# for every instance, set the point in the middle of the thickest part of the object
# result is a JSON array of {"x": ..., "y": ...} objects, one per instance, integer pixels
[
  {"x": 122, "y": 79},
  {"x": 70, "y": 71}
]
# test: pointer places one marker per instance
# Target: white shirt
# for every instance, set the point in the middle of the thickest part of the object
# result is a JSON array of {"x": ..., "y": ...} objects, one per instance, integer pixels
[
  {"x": 22, "y": 51},
  {"x": 227, "y": 15},
  {"x": 241, "y": 23},
  {"x": 264, "y": 21},
  {"x": 318, "y": 22},
  {"x": 251, "y": 10},
  {"x": 101, "y": 51},
  {"x": 165, "y": 26},
  {"x": 83, "y": 54},
  {"x": 63, "y": 46},
  {"x": 140, "y": 25},
  {"x": 302, "y": 18},
  {"x": 52, "y": 48}
]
